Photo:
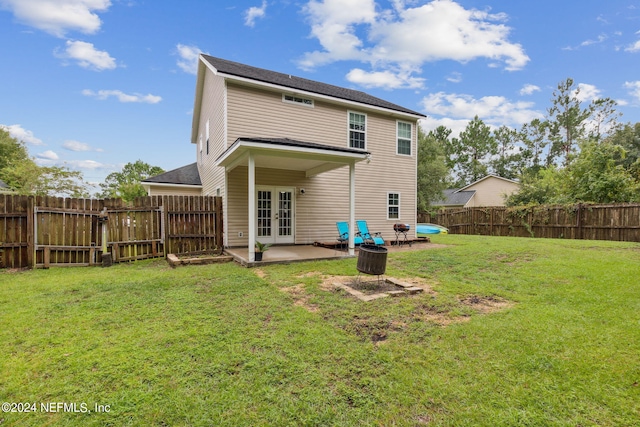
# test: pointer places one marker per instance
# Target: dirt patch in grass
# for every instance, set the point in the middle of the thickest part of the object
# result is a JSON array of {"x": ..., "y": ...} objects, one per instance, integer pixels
[
  {"x": 485, "y": 304},
  {"x": 300, "y": 297},
  {"x": 260, "y": 273}
]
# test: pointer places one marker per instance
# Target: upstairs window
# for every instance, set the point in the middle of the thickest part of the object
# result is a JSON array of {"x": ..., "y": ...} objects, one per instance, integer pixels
[
  {"x": 297, "y": 100},
  {"x": 404, "y": 138},
  {"x": 357, "y": 130}
]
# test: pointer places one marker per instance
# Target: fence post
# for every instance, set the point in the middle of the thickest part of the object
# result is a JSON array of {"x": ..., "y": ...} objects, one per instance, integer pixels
[
  {"x": 219, "y": 224},
  {"x": 579, "y": 222},
  {"x": 31, "y": 220}
]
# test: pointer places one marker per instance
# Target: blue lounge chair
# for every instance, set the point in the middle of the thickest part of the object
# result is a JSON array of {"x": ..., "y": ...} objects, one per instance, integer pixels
[
  {"x": 363, "y": 229},
  {"x": 343, "y": 237}
]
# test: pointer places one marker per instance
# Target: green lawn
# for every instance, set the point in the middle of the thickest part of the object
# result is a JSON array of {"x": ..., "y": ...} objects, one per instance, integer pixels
[{"x": 221, "y": 345}]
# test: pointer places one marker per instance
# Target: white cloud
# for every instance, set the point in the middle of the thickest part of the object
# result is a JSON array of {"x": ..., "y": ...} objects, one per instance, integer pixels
[
  {"x": 86, "y": 164},
  {"x": 47, "y": 155},
  {"x": 635, "y": 47},
  {"x": 634, "y": 89},
  {"x": 21, "y": 134},
  {"x": 123, "y": 97},
  {"x": 454, "y": 77},
  {"x": 87, "y": 56},
  {"x": 496, "y": 110},
  {"x": 72, "y": 145},
  {"x": 405, "y": 37},
  {"x": 189, "y": 55},
  {"x": 587, "y": 92},
  {"x": 254, "y": 13},
  {"x": 529, "y": 89},
  {"x": 384, "y": 79},
  {"x": 57, "y": 17}
]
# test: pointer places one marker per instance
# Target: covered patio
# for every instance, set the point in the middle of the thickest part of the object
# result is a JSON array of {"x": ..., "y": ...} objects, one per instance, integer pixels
[{"x": 284, "y": 154}]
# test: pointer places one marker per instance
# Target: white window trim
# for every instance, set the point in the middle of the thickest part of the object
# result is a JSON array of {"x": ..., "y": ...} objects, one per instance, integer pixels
[
  {"x": 294, "y": 102},
  {"x": 366, "y": 127},
  {"x": 398, "y": 138},
  {"x": 399, "y": 204}
]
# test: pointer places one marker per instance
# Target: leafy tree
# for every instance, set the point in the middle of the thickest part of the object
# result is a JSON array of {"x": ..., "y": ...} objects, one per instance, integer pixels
[
  {"x": 545, "y": 186},
  {"x": 12, "y": 151},
  {"x": 594, "y": 176},
  {"x": 604, "y": 118},
  {"x": 567, "y": 120},
  {"x": 534, "y": 138},
  {"x": 24, "y": 176},
  {"x": 432, "y": 170},
  {"x": 509, "y": 161},
  {"x": 470, "y": 153},
  {"x": 126, "y": 183},
  {"x": 628, "y": 137}
]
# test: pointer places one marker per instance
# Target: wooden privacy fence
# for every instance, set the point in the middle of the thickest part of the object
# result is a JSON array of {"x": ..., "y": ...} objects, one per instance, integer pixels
[
  {"x": 40, "y": 231},
  {"x": 597, "y": 222}
]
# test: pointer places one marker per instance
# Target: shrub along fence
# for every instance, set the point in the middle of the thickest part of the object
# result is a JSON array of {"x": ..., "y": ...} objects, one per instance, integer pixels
[
  {"x": 581, "y": 221},
  {"x": 38, "y": 231}
]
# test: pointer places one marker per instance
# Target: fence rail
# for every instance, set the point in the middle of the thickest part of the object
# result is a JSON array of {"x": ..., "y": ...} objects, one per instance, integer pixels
[
  {"x": 40, "y": 231},
  {"x": 619, "y": 222}
]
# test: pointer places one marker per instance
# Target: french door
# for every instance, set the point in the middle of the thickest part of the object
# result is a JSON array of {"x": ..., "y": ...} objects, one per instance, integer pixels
[{"x": 275, "y": 210}]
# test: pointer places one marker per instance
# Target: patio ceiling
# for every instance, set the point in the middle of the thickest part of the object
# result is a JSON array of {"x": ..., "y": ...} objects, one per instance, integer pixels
[{"x": 284, "y": 153}]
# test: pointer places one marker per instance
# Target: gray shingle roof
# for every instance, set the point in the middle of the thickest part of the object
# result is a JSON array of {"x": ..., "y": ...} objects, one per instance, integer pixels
[
  {"x": 286, "y": 80},
  {"x": 455, "y": 197},
  {"x": 3, "y": 185},
  {"x": 185, "y": 175}
]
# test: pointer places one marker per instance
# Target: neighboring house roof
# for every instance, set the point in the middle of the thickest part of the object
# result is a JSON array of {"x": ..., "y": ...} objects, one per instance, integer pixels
[
  {"x": 4, "y": 188},
  {"x": 286, "y": 80},
  {"x": 488, "y": 177},
  {"x": 3, "y": 185},
  {"x": 455, "y": 197},
  {"x": 185, "y": 175}
]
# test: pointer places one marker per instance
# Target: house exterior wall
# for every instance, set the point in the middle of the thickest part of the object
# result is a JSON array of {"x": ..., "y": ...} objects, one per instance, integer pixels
[
  {"x": 491, "y": 192},
  {"x": 162, "y": 190},
  {"x": 259, "y": 113},
  {"x": 213, "y": 110}
]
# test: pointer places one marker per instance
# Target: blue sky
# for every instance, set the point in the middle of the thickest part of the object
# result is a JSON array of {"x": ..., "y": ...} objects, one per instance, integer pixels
[{"x": 95, "y": 84}]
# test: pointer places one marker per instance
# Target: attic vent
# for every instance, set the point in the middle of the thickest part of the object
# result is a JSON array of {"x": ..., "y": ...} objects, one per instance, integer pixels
[{"x": 297, "y": 100}]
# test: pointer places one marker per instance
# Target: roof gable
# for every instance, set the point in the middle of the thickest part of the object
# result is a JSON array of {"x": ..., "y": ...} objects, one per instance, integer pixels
[
  {"x": 185, "y": 175},
  {"x": 243, "y": 71},
  {"x": 489, "y": 177}
]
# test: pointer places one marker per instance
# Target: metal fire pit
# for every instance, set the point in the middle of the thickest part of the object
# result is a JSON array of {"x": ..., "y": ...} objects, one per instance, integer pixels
[{"x": 372, "y": 260}]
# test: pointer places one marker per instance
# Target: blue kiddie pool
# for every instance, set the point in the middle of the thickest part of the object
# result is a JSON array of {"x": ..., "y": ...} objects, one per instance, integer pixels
[{"x": 424, "y": 230}]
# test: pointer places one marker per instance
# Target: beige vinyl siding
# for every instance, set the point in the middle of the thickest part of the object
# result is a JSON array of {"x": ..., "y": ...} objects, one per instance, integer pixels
[
  {"x": 491, "y": 192},
  {"x": 256, "y": 112},
  {"x": 326, "y": 201},
  {"x": 213, "y": 110},
  {"x": 260, "y": 113},
  {"x": 388, "y": 172},
  {"x": 162, "y": 190}
]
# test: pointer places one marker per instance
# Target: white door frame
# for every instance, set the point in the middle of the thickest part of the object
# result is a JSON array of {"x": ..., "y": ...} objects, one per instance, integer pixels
[{"x": 274, "y": 224}]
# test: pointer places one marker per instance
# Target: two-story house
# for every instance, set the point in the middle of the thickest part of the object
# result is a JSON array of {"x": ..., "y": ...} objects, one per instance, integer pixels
[{"x": 292, "y": 156}]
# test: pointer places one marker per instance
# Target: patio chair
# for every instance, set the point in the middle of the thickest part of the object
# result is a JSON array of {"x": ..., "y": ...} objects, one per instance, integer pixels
[
  {"x": 363, "y": 229},
  {"x": 343, "y": 237}
]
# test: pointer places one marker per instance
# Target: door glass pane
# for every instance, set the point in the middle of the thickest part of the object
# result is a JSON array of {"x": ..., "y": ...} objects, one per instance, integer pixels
[
  {"x": 264, "y": 213},
  {"x": 284, "y": 214}
]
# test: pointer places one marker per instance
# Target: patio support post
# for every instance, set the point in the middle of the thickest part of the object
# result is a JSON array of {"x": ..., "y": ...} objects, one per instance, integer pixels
[
  {"x": 252, "y": 208},
  {"x": 352, "y": 206}
]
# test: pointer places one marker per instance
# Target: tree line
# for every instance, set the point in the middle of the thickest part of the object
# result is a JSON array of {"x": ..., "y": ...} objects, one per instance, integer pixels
[
  {"x": 24, "y": 176},
  {"x": 575, "y": 153}
]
